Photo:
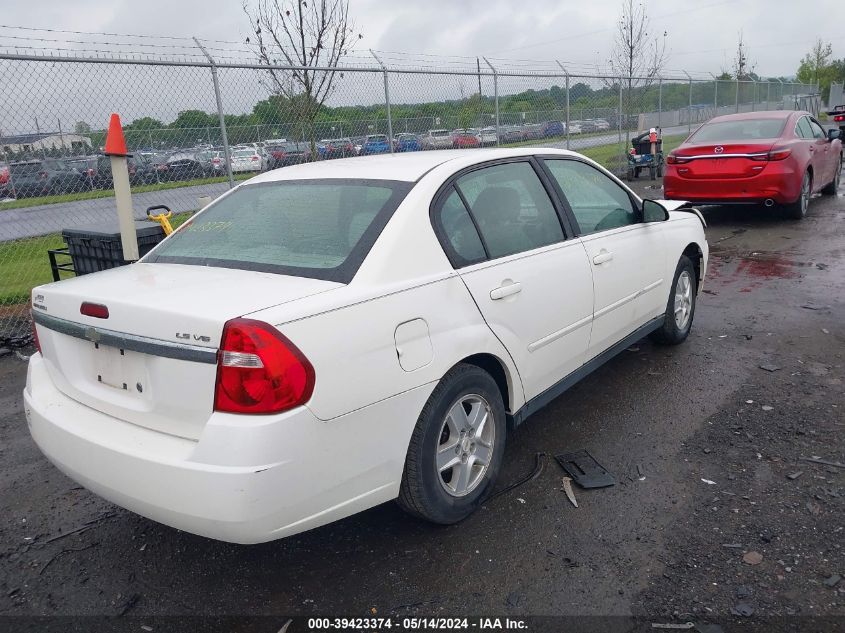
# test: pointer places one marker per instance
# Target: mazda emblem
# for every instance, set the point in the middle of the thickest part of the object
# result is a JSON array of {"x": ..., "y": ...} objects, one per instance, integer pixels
[{"x": 718, "y": 149}]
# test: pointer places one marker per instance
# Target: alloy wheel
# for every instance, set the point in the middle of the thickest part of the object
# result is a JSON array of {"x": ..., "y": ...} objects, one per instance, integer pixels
[
  {"x": 465, "y": 446},
  {"x": 683, "y": 300}
]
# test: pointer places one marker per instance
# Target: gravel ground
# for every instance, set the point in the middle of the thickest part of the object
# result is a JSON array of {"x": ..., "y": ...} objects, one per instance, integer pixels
[{"x": 709, "y": 522}]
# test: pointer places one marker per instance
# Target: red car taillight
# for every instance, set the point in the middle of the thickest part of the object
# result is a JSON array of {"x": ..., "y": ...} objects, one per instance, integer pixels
[
  {"x": 96, "y": 310},
  {"x": 259, "y": 370},
  {"x": 839, "y": 117},
  {"x": 215, "y": 161},
  {"x": 674, "y": 159},
  {"x": 255, "y": 158},
  {"x": 779, "y": 153}
]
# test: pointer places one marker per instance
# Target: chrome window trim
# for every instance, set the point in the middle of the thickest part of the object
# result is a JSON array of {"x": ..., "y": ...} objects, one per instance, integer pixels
[{"x": 122, "y": 340}]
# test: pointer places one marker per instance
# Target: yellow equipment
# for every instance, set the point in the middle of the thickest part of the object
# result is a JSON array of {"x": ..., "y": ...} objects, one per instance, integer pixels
[{"x": 161, "y": 218}]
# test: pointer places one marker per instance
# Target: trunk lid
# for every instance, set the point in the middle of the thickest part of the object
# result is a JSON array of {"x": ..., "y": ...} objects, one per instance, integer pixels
[
  {"x": 154, "y": 362},
  {"x": 726, "y": 160}
]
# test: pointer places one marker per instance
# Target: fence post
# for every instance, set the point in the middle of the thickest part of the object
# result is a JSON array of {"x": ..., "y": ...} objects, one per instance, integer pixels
[
  {"x": 754, "y": 96},
  {"x": 689, "y": 105},
  {"x": 715, "y": 95},
  {"x": 566, "y": 74},
  {"x": 227, "y": 154},
  {"x": 781, "y": 93},
  {"x": 736, "y": 98},
  {"x": 619, "y": 118},
  {"x": 495, "y": 96},
  {"x": 768, "y": 87},
  {"x": 386, "y": 100},
  {"x": 659, "y": 100}
]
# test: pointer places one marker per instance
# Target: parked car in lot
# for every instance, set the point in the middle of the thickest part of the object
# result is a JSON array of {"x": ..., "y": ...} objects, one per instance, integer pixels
[
  {"x": 85, "y": 165},
  {"x": 437, "y": 139},
  {"x": 288, "y": 153},
  {"x": 4, "y": 179},
  {"x": 588, "y": 126},
  {"x": 407, "y": 143},
  {"x": 487, "y": 136},
  {"x": 329, "y": 148},
  {"x": 248, "y": 159},
  {"x": 772, "y": 158},
  {"x": 575, "y": 127},
  {"x": 462, "y": 139},
  {"x": 184, "y": 166},
  {"x": 215, "y": 385},
  {"x": 49, "y": 176},
  {"x": 553, "y": 128},
  {"x": 601, "y": 124},
  {"x": 140, "y": 171},
  {"x": 213, "y": 162},
  {"x": 376, "y": 144},
  {"x": 511, "y": 133}
]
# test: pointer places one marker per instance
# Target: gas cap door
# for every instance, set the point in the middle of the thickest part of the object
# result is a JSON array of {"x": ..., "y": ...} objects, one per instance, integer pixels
[{"x": 413, "y": 344}]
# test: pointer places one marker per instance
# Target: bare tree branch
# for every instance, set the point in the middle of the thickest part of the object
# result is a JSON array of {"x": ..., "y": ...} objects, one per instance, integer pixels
[{"x": 306, "y": 35}]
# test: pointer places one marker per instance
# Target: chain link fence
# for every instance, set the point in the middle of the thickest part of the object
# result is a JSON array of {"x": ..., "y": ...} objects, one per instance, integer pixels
[{"x": 196, "y": 128}]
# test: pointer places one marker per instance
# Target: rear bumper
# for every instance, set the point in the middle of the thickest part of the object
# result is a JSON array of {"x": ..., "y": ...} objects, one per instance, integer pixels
[
  {"x": 781, "y": 185},
  {"x": 247, "y": 480}
]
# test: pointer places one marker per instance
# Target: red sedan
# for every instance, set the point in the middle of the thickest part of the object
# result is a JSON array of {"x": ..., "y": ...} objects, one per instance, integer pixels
[
  {"x": 777, "y": 157},
  {"x": 462, "y": 139}
]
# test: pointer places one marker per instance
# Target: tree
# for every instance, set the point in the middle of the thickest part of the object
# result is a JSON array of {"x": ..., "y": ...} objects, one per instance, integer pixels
[
  {"x": 638, "y": 56},
  {"x": 817, "y": 68},
  {"x": 81, "y": 127},
  {"x": 743, "y": 67},
  {"x": 305, "y": 35}
]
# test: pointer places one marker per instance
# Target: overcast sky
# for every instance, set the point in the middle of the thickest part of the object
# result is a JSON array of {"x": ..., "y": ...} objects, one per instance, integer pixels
[
  {"x": 701, "y": 38},
  {"x": 701, "y": 34}
]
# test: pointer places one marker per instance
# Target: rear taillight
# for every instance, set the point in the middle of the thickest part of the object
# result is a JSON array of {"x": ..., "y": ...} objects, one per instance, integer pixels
[
  {"x": 259, "y": 370},
  {"x": 96, "y": 310},
  {"x": 255, "y": 158},
  {"x": 674, "y": 159},
  {"x": 839, "y": 117},
  {"x": 779, "y": 153},
  {"x": 215, "y": 161}
]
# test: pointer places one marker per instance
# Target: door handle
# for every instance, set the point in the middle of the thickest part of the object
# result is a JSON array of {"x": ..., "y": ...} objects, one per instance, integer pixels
[
  {"x": 603, "y": 257},
  {"x": 505, "y": 290}
]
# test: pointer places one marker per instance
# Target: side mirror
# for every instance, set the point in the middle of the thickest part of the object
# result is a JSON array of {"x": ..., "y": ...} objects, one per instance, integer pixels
[
  {"x": 834, "y": 134},
  {"x": 654, "y": 211}
]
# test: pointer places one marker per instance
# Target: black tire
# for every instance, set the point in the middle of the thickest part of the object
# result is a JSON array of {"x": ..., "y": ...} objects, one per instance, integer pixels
[
  {"x": 671, "y": 332},
  {"x": 652, "y": 173},
  {"x": 630, "y": 174},
  {"x": 423, "y": 492},
  {"x": 831, "y": 187},
  {"x": 798, "y": 210},
  {"x": 660, "y": 171}
]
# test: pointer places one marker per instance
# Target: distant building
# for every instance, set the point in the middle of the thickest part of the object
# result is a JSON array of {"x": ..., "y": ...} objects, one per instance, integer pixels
[{"x": 18, "y": 143}]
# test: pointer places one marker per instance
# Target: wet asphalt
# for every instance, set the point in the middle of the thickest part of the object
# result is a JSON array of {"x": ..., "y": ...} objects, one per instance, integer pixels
[{"x": 660, "y": 419}]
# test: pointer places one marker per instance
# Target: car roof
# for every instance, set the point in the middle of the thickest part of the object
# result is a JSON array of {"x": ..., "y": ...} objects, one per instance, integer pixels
[
  {"x": 407, "y": 167},
  {"x": 745, "y": 116}
]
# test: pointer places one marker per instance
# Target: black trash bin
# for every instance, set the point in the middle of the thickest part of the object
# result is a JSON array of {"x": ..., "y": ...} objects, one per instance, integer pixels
[{"x": 98, "y": 247}]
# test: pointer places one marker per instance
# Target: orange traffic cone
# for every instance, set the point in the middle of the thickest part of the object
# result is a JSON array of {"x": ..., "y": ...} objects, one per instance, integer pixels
[{"x": 115, "y": 143}]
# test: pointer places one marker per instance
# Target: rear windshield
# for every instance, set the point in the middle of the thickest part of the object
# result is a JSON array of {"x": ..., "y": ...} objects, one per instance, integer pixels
[
  {"x": 378, "y": 138},
  {"x": 243, "y": 152},
  {"x": 739, "y": 130},
  {"x": 307, "y": 228}
]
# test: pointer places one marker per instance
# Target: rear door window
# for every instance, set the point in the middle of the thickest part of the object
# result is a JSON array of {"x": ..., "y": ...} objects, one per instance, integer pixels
[
  {"x": 309, "y": 228},
  {"x": 511, "y": 208}
]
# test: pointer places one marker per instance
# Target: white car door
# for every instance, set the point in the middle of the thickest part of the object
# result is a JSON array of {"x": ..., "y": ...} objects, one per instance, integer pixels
[
  {"x": 532, "y": 285},
  {"x": 627, "y": 256}
]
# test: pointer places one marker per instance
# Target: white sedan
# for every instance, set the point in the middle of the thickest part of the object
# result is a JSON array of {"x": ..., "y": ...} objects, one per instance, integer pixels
[{"x": 332, "y": 336}]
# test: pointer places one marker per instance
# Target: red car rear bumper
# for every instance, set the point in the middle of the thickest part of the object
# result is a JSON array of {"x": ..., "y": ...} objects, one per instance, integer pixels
[{"x": 780, "y": 182}]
